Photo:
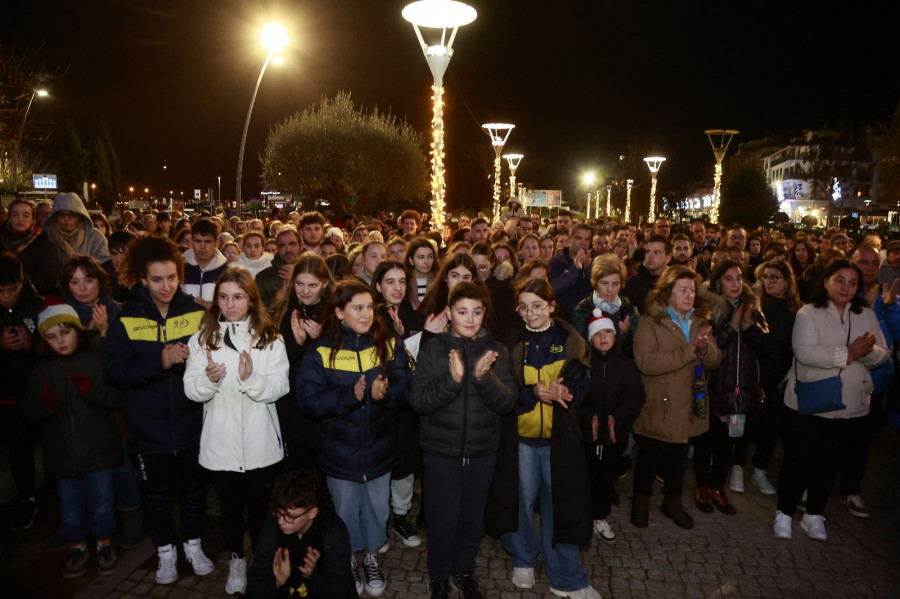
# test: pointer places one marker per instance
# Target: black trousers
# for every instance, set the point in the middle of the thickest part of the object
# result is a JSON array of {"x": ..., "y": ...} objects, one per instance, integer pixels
[
  {"x": 603, "y": 469},
  {"x": 713, "y": 454},
  {"x": 671, "y": 458},
  {"x": 814, "y": 448},
  {"x": 20, "y": 436},
  {"x": 240, "y": 490},
  {"x": 762, "y": 430},
  {"x": 456, "y": 491},
  {"x": 165, "y": 476}
]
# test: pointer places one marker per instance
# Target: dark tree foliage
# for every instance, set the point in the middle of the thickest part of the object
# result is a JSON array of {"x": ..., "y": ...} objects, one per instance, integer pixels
[
  {"x": 747, "y": 198},
  {"x": 884, "y": 142}
]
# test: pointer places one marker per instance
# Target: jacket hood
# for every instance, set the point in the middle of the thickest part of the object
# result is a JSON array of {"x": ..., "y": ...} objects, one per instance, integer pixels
[
  {"x": 721, "y": 308},
  {"x": 503, "y": 271},
  {"x": 218, "y": 260},
  {"x": 71, "y": 202}
]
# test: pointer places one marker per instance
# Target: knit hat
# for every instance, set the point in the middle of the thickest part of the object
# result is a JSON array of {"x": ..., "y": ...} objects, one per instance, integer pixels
[
  {"x": 334, "y": 232},
  {"x": 53, "y": 312},
  {"x": 599, "y": 323}
]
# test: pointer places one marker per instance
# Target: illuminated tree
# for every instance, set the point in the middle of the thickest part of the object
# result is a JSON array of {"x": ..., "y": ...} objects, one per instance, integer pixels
[{"x": 357, "y": 160}]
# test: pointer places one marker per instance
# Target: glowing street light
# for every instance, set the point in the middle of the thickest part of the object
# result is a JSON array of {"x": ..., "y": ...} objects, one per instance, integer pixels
[
  {"x": 653, "y": 163},
  {"x": 630, "y": 184},
  {"x": 608, "y": 200},
  {"x": 513, "y": 161},
  {"x": 40, "y": 93},
  {"x": 724, "y": 136},
  {"x": 443, "y": 15},
  {"x": 499, "y": 133},
  {"x": 274, "y": 39},
  {"x": 588, "y": 180}
]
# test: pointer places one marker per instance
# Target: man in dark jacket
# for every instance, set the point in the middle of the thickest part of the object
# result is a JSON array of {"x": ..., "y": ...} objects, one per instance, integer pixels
[
  {"x": 570, "y": 270},
  {"x": 144, "y": 356},
  {"x": 659, "y": 251},
  {"x": 272, "y": 279},
  {"x": 19, "y": 307}
]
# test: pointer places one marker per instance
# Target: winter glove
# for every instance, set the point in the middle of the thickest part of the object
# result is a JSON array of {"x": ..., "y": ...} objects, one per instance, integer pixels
[
  {"x": 49, "y": 398},
  {"x": 83, "y": 382}
]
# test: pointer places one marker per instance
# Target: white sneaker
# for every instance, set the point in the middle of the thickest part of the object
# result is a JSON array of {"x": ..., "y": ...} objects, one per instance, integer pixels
[
  {"x": 736, "y": 483},
  {"x": 167, "y": 570},
  {"x": 761, "y": 480},
  {"x": 856, "y": 506},
  {"x": 603, "y": 530},
  {"x": 523, "y": 578},
  {"x": 587, "y": 592},
  {"x": 237, "y": 575},
  {"x": 201, "y": 564},
  {"x": 374, "y": 576},
  {"x": 814, "y": 526},
  {"x": 782, "y": 526}
]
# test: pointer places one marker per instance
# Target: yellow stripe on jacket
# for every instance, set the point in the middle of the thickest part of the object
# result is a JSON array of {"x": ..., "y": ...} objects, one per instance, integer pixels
[
  {"x": 147, "y": 329},
  {"x": 539, "y": 422},
  {"x": 346, "y": 360}
]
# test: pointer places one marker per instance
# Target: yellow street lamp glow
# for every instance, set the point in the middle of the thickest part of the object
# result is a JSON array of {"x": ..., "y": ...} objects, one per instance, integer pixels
[
  {"x": 41, "y": 92},
  {"x": 274, "y": 37},
  {"x": 589, "y": 178},
  {"x": 443, "y": 15}
]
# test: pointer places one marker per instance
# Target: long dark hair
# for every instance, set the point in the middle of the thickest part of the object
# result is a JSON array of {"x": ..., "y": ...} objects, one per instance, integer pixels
[
  {"x": 435, "y": 298},
  {"x": 331, "y": 327},
  {"x": 378, "y": 276},
  {"x": 819, "y": 297},
  {"x": 309, "y": 263}
]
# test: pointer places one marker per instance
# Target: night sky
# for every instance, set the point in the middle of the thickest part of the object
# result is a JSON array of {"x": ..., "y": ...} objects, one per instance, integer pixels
[{"x": 583, "y": 81}]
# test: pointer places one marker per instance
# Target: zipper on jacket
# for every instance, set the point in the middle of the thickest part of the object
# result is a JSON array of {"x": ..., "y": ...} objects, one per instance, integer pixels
[
  {"x": 368, "y": 413},
  {"x": 465, "y": 360}
]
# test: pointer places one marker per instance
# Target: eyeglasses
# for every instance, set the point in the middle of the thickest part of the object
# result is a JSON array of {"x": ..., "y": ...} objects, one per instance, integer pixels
[
  {"x": 772, "y": 278},
  {"x": 237, "y": 298},
  {"x": 288, "y": 518},
  {"x": 534, "y": 308},
  {"x": 398, "y": 253}
]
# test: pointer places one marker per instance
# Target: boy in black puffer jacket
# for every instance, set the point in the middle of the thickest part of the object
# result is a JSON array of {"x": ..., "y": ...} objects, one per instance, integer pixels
[{"x": 613, "y": 403}]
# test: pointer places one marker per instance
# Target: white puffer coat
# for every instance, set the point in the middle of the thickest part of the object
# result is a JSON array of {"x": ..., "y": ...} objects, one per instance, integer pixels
[{"x": 240, "y": 424}]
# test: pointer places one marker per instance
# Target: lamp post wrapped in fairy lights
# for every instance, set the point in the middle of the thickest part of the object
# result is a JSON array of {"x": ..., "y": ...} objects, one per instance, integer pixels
[
  {"x": 444, "y": 15},
  {"x": 724, "y": 136},
  {"x": 513, "y": 161},
  {"x": 629, "y": 185},
  {"x": 499, "y": 133},
  {"x": 653, "y": 163}
]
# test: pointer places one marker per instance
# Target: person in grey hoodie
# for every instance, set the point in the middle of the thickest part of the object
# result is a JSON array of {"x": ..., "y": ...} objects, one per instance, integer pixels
[{"x": 71, "y": 230}]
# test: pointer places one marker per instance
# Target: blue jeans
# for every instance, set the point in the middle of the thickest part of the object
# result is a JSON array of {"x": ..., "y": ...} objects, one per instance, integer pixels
[
  {"x": 364, "y": 508},
  {"x": 87, "y": 504},
  {"x": 523, "y": 546}
]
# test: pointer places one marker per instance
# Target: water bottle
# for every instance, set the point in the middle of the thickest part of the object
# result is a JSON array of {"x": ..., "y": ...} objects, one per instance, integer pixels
[{"x": 699, "y": 389}]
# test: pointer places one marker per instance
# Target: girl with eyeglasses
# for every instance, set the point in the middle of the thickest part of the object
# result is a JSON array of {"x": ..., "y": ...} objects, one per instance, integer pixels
[
  {"x": 545, "y": 457},
  {"x": 237, "y": 368}
]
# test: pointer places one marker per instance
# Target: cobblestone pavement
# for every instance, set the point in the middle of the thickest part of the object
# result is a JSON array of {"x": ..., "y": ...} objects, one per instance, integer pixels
[{"x": 721, "y": 557}]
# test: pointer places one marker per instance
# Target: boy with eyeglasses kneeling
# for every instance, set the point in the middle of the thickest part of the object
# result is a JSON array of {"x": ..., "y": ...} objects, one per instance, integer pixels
[{"x": 304, "y": 548}]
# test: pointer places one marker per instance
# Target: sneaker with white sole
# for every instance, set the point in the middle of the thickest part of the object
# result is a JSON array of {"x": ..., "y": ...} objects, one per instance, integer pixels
[
  {"x": 354, "y": 567},
  {"x": 736, "y": 481},
  {"x": 782, "y": 526},
  {"x": 167, "y": 570},
  {"x": 193, "y": 552},
  {"x": 374, "y": 583},
  {"x": 603, "y": 530},
  {"x": 856, "y": 506},
  {"x": 761, "y": 480},
  {"x": 107, "y": 562},
  {"x": 523, "y": 578},
  {"x": 406, "y": 531},
  {"x": 587, "y": 592},
  {"x": 76, "y": 565},
  {"x": 237, "y": 575},
  {"x": 814, "y": 526}
]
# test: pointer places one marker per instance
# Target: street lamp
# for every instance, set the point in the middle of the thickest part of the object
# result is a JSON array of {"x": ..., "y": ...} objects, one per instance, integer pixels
[
  {"x": 724, "y": 136},
  {"x": 588, "y": 180},
  {"x": 629, "y": 185},
  {"x": 443, "y": 15},
  {"x": 38, "y": 92},
  {"x": 274, "y": 39},
  {"x": 513, "y": 161},
  {"x": 653, "y": 163},
  {"x": 608, "y": 200},
  {"x": 867, "y": 212},
  {"x": 499, "y": 133}
]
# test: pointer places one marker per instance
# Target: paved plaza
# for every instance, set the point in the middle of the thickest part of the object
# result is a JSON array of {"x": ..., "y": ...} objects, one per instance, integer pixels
[{"x": 722, "y": 557}]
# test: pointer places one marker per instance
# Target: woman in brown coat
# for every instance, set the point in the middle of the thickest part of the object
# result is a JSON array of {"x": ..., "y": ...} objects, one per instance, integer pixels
[{"x": 672, "y": 338}]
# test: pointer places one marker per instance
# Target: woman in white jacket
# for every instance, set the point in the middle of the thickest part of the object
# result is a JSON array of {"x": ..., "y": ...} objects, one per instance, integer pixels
[
  {"x": 834, "y": 335},
  {"x": 238, "y": 367}
]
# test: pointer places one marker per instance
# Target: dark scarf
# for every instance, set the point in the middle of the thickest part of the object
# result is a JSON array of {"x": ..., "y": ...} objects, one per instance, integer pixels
[{"x": 17, "y": 242}]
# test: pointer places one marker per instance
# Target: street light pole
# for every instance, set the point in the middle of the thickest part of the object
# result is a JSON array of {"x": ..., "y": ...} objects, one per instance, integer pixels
[
  {"x": 274, "y": 38},
  {"x": 725, "y": 136},
  {"x": 653, "y": 163},
  {"x": 37, "y": 92},
  {"x": 629, "y": 185},
  {"x": 443, "y": 15},
  {"x": 499, "y": 133},
  {"x": 513, "y": 161}
]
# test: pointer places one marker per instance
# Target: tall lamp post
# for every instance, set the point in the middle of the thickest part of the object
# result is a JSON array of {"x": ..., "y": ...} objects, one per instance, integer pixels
[
  {"x": 724, "y": 139},
  {"x": 608, "y": 201},
  {"x": 513, "y": 161},
  {"x": 499, "y": 133},
  {"x": 443, "y": 15},
  {"x": 653, "y": 163},
  {"x": 274, "y": 39},
  {"x": 37, "y": 92},
  {"x": 629, "y": 185},
  {"x": 588, "y": 182}
]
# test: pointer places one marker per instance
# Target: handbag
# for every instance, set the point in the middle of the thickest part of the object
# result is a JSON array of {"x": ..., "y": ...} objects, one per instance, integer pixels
[{"x": 820, "y": 396}]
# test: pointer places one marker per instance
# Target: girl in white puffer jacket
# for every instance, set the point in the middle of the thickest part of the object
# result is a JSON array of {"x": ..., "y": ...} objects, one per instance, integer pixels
[{"x": 238, "y": 368}]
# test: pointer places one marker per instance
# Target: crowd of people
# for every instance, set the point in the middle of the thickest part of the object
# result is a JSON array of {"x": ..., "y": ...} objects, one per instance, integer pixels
[{"x": 316, "y": 371}]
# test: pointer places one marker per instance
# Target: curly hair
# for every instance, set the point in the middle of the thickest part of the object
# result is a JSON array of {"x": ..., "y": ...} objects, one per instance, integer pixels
[
  {"x": 143, "y": 251},
  {"x": 91, "y": 268}
]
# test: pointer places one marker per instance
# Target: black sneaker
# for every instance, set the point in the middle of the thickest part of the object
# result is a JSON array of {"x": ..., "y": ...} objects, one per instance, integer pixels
[
  {"x": 354, "y": 567},
  {"x": 440, "y": 590},
  {"x": 406, "y": 531},
  {"x": 374, "y": 577},
  {"x": 77, "y": 562},
  {"x": 23, "y": 514},
  {"x": 466, "y": 586},
  {"x": 109, "y": 563}
]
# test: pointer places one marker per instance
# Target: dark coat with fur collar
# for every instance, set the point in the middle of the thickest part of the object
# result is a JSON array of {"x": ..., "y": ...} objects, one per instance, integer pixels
[{"x": 734, "y": 387}]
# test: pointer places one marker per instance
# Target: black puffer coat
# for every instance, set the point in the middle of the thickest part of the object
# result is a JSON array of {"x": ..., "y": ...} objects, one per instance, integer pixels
[{"x": 734, "y": 387}]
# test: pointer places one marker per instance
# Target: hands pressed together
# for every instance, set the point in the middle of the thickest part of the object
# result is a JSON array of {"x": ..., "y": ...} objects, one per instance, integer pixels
[{"x": 482, "y": 365}]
